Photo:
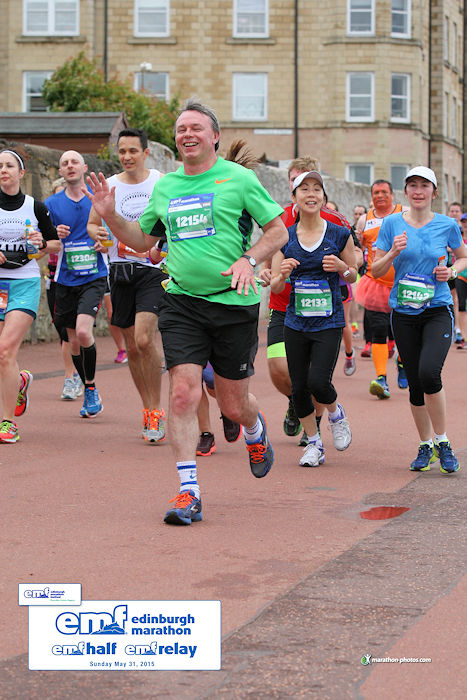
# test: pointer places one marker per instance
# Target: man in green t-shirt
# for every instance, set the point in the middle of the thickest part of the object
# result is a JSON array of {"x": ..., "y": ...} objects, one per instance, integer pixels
[{"x": 210, "y": 312}]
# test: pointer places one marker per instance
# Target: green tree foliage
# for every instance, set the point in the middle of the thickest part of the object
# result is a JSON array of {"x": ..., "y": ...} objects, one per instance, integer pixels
[{"x": 79, "y": 86}]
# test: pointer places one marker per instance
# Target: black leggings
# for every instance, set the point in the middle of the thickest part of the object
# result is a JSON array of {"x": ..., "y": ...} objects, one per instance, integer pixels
[
  {"x": 379, "y": 326},
  {"x": 311, "y": 358},
  {"x": 423, "y": 341}
]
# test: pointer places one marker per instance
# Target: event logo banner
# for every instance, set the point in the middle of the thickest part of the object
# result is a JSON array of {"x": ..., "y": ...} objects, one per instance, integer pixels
[
  {"x": 49, "y": 594},
  {"x": 114, "y": 635}
]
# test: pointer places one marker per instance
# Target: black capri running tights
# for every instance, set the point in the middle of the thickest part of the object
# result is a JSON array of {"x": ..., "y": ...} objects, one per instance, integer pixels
[
  {"x": 379, "y": 325},
  {"x": 423, "y": 342},
  {"x": 311, "y": 358}
]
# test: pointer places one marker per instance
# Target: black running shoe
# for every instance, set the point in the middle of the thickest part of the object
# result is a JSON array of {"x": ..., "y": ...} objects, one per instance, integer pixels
[
  {"x": 231, "y": 429},
  {"x": 291, "y": 423},
  {"x": 206, "y": 445}
]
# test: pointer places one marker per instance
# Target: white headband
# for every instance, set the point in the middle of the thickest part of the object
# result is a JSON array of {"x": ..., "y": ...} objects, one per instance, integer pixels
[{"x": 16, "y": 156}]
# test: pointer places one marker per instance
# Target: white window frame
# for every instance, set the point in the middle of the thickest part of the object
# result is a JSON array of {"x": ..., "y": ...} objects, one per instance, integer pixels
[
  {"x": 408, "y": 18},
  {"x": 405, "y": 168},
  {"x": 370, "y": 167},
  {"x": 348, "y": 97},
  {"x": 446, "y": 192},
  {"x": 350, "y": 11},
  {"x": 139, "y": 81},
  {"x": 446, "y": 39},
  {"x": 51, "y": 20},
  {"x": 137, "y": 32},
  {"x": 26, "y": 95},
  {"x": 454, "y": 45},
  {"x": 446, "y": 114},
  {"x": 454, "y": 119},
  {"x": 407, "y": 97},
  {"x": 238, "y": 34},
  {"x": 242, "y": 77}
]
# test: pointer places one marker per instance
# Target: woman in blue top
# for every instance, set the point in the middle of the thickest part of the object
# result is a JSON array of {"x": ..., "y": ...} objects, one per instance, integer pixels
[
  {"x": 317, "y": 253},
  {"x": 416, "y": 243}
]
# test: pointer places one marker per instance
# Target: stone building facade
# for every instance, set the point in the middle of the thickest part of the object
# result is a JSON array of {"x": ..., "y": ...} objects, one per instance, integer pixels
[{"x": 370, "y": 87}]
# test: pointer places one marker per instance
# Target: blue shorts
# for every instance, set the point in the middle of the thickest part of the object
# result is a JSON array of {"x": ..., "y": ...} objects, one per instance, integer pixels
[{"x": 23, "y": 295}]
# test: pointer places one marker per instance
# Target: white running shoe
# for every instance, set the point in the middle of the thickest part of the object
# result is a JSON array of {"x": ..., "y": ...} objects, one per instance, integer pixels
[
  {"x": 313, "y": 455},
  {"x": 341, "y": 433},
  {"x": 78, "y": 384},
  {"x": 350, "y": 366},
  {"x": 69, "y": 390}
]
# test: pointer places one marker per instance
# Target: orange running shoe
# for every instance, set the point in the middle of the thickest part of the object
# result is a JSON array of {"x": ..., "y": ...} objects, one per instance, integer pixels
[
  {"x": 22, "y": 401},
  {"x": 155, "y": 432},
  {"x": 144, "y": 431},
  {"x": 8, "y": 431}
]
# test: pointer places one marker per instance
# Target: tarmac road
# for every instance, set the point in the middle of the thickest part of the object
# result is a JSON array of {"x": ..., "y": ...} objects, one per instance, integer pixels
[{"x": 307, "y": 585}]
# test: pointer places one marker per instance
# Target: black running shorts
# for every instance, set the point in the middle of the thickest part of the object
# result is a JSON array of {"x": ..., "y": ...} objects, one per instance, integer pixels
[
  {"x": 276, "y": 327},
  {"x": 139, "y": 291},
  {"x": 70, "y": 302},
  {"x": 195, "y": 331}
]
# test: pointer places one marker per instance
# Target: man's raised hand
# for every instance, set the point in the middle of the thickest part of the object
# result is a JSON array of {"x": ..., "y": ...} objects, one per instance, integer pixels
[{"x": 102, "y": 198}]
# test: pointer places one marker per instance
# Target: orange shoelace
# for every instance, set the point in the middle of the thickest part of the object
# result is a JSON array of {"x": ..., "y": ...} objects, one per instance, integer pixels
[
  {"x": 256, "y": 450},
  {"x": 154, "y": 418},
  {"x": 182, "y": 500}
]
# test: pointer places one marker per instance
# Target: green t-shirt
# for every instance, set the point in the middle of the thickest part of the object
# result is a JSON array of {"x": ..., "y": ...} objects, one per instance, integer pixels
[{"x": 208, "y": 219}]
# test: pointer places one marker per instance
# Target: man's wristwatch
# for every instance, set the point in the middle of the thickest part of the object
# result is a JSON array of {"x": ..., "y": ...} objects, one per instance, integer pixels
[
  {"x": 251, "y": 260},
  {"x": 347, "y": 272},
  {"x": 453, "y": 273}
]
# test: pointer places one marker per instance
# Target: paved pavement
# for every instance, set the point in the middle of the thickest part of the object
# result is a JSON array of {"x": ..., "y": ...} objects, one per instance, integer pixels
[{"x": 307, "y": 585}]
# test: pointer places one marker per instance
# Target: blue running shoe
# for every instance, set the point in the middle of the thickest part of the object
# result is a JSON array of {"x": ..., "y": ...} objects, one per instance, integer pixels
[
  {"x": 402, "y": 381},
  {"x": 187, "y": 509},
  {"x": 261, "y": 453},
  {"x": 92, "y": 404},
  {"x": 379, "y": 387},
  {"x": 424, "y": 458},
  {"x": 449, "y": 462}
]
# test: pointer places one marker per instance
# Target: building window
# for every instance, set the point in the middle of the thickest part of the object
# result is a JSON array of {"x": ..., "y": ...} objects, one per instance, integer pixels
[
  {"x": 400, "y": 97},
  {"x": 446, "y": 39},
  {"x": 398, "y": 173},
  {"x": 250, "y": 93},
  {"x": 454, "y": 44},
  {"x": 446, "y": 192},
  {"x": 151, "y": 17},
  {"x": 251, "y": 18},
  {"x": 359, "y": 172},
  {"x": 445, "y": 114},
  {"x": 360, "y": 17},
  {"x": 44, "y": 17},
  {"x": 156, "y": 84},
  {"x": 454, "y": 119},
  {"x": 360, "y": 97},
  {"x": 32, "y": 90},
  {"x": 400, "y": 18}
]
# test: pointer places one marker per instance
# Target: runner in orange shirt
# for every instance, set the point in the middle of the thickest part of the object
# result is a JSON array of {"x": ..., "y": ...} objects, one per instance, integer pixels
[{"x": 373, "y": 294}]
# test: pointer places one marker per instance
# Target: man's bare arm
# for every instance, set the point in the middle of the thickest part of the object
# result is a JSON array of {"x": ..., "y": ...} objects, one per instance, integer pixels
[{"x": 103, "y": 203}]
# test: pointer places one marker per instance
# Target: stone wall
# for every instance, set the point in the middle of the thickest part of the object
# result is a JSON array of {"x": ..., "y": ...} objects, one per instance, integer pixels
[{"x": 42, "y": 171}]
